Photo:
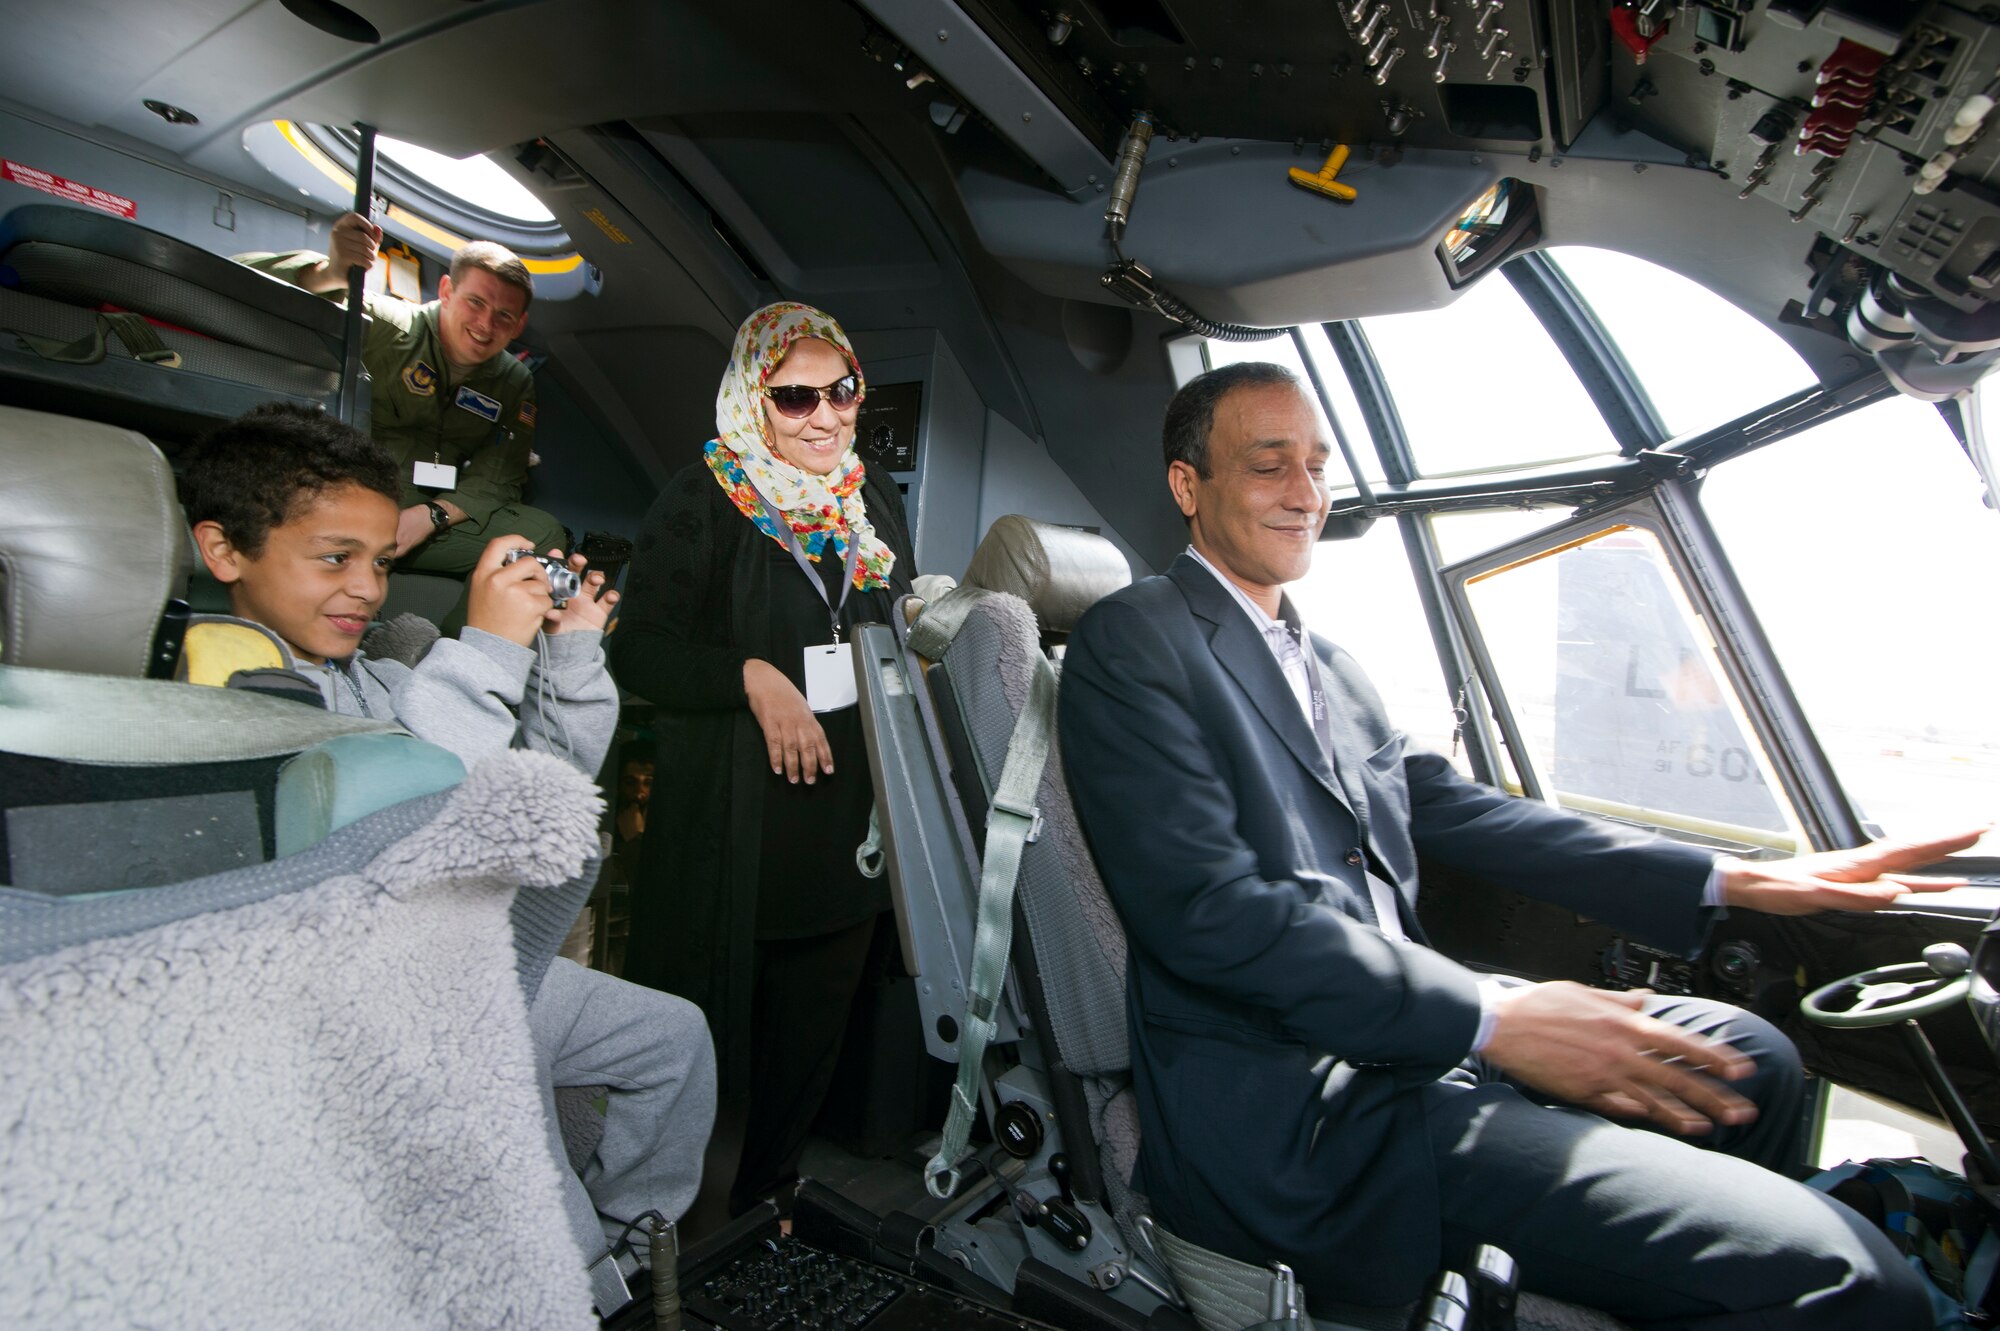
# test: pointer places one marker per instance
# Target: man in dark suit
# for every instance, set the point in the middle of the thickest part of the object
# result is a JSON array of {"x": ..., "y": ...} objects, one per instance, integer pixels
[{"x": 1318, "y": 1086}]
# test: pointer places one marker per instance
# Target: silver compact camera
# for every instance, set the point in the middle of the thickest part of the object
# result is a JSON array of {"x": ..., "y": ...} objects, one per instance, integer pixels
[{"x": 563, "y": 580}]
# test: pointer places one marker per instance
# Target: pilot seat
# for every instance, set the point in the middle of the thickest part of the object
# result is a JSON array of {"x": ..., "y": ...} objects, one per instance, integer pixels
[{"x": 958, "y": 705}]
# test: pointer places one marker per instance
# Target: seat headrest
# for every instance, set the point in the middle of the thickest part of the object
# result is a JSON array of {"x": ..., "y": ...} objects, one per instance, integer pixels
[
  {"x": 1059, "y": 571},
  {"x": 92, "y": 544}
]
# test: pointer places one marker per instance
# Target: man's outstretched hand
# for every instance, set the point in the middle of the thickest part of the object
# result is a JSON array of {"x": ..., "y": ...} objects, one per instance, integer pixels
[
  {"x": 1865, "y": 878},
  {"x": 1597, "y": 1050}
]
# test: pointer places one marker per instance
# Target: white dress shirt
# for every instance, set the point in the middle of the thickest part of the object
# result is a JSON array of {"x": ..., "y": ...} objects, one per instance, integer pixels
[{"x": 1290, "y": 653}]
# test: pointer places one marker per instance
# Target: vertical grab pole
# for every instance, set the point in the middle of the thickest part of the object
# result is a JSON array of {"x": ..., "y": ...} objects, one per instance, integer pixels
[{"x": 364, "y": 202}]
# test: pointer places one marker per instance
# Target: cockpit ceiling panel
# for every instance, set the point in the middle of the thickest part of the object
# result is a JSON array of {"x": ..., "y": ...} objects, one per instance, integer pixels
[
  {"x": 459, "y": 78},
  {"x": 89, "y": 63},
  {"x": 1287, "y": 71},
  {"x": 553, "y": 66}
]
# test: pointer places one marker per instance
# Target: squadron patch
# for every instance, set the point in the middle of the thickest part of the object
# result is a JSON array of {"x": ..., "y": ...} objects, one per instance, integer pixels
[
  {"x": 478, "y": 404},
  {"x": 528, "y": 414},
  {"x": 419, "y": 379}
]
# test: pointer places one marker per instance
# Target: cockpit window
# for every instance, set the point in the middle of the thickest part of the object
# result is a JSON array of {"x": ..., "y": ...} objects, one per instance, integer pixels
[
  {"x": 1872, "y": 518},
  {"x": 1284, "y": 350},
  {"x": 1619, "y": 703},
  {"x": 1463, "y": 535},
  {"x": 1481, "y": 386},
  {"x": 434, "y": 201},
  {"x": 1700, "y": 359},
  {"x": 1362, "y": 595}
]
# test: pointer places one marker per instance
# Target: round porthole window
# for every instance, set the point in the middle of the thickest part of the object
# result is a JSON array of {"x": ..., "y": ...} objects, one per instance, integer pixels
[
  {"x": 469, "y": 196},
  {"x": 470, "y": 182},
  {"x": 428, "y": 201}
]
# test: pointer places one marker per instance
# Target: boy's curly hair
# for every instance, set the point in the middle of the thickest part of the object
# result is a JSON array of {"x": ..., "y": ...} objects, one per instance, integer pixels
[{"x": 254, "y": 473}]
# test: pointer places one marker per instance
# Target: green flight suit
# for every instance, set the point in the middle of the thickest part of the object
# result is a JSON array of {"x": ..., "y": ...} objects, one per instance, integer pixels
[{"x": 484, "y": 425}]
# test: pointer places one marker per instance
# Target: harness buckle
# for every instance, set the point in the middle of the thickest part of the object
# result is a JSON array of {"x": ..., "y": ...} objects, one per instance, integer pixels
[{"x": 1033, "y": 813}]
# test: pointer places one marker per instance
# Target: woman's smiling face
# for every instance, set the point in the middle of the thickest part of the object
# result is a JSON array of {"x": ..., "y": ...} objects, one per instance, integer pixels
[{"x": 815, "y": 442}]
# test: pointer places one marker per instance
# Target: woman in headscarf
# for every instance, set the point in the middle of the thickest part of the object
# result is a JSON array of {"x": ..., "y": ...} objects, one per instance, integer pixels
[{"x": 765, "y": 553}]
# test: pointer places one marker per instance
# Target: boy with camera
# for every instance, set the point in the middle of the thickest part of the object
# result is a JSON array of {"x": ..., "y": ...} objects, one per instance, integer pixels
[{"x": 296, "y": 514}]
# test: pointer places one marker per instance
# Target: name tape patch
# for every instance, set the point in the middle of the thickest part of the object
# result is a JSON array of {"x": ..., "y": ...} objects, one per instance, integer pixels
[{"x": 478, "y": 404}]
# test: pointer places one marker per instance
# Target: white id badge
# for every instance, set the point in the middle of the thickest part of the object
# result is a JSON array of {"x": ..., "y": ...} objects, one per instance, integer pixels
[
  {"x": 435, "y": 476},
  {"x": 830, "y": 677}
]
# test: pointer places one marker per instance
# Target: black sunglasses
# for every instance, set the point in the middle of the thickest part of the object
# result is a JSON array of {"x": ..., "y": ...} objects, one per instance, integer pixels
[{"x": 797, "y": 400}]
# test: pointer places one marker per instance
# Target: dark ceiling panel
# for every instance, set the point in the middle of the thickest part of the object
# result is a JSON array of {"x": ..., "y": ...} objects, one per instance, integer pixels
[{"x": 819, "y": 198}]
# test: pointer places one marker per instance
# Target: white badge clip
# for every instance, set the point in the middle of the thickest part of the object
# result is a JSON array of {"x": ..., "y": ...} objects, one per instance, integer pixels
[
  {"x": 830, "y": 677},
  {"x": 435, "y": 476}
]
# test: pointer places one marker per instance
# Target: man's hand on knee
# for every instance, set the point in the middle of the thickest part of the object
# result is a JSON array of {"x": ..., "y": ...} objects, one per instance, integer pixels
[{"x": 1598, "y": 1050}]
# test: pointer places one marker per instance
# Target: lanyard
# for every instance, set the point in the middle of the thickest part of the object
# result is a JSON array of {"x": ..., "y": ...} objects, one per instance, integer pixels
[
  {"x": 1316, "y": 691},
  {"x": 1322, "y": 722},
  {"x": 1379, "y": 906},
  {"x": 833, "y": 608}
]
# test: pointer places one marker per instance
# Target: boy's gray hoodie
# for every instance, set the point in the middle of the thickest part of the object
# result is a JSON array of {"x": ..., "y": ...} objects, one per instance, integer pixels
[{"x": 479, "y": 695}]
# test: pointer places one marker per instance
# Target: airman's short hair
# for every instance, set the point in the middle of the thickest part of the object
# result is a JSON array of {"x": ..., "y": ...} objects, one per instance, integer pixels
[{"x": 498, "y": 260}]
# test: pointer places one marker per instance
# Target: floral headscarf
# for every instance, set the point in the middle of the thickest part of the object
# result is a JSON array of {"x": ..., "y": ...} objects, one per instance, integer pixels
[{"x": 815, "y": 507}]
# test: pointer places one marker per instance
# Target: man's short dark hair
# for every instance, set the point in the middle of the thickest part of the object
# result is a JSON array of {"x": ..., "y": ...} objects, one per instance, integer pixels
[
  {"x": 498, "y": 260},
  {"x": 1191, "y": 414},
  {"x": 254, "y": 473}
]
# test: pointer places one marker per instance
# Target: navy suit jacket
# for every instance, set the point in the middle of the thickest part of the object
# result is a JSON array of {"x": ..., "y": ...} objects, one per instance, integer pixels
[{"x": 1279, "y": 1041}]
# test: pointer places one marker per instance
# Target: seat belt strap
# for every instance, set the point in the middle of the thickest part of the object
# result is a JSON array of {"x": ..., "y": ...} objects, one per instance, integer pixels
[
  {"x": 1013, "y": 820},
  {"x": 931, "y": 636},
  {"x": 1223, "y": 1293},
  {"x": 869, "y": 857},
  {"x": 140, "y": 338},
  {"x": 137, "y": 335}
]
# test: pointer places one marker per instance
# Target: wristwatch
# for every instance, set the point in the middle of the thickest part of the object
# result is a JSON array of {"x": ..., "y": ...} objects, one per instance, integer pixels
[{"x": 440, "y": 520}]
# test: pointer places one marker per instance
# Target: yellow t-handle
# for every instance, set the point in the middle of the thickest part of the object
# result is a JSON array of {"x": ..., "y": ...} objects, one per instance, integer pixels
[{"x": 1323, "y": 181}]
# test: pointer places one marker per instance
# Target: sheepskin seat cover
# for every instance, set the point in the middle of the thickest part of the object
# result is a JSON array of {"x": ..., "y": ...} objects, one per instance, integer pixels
[{"x": 299, "y": 1094}]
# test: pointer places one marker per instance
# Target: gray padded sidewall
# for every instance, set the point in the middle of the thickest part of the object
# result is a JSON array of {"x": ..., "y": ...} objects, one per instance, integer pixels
[
  {"x": 83, "y": 277},
  {"x": 44, "y": 317}
]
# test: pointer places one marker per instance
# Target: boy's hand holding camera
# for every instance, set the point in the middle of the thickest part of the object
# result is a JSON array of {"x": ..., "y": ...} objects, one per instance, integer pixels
[
  {"x": 589, "y": 608},
  {"x": 510, "y": 598}
]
